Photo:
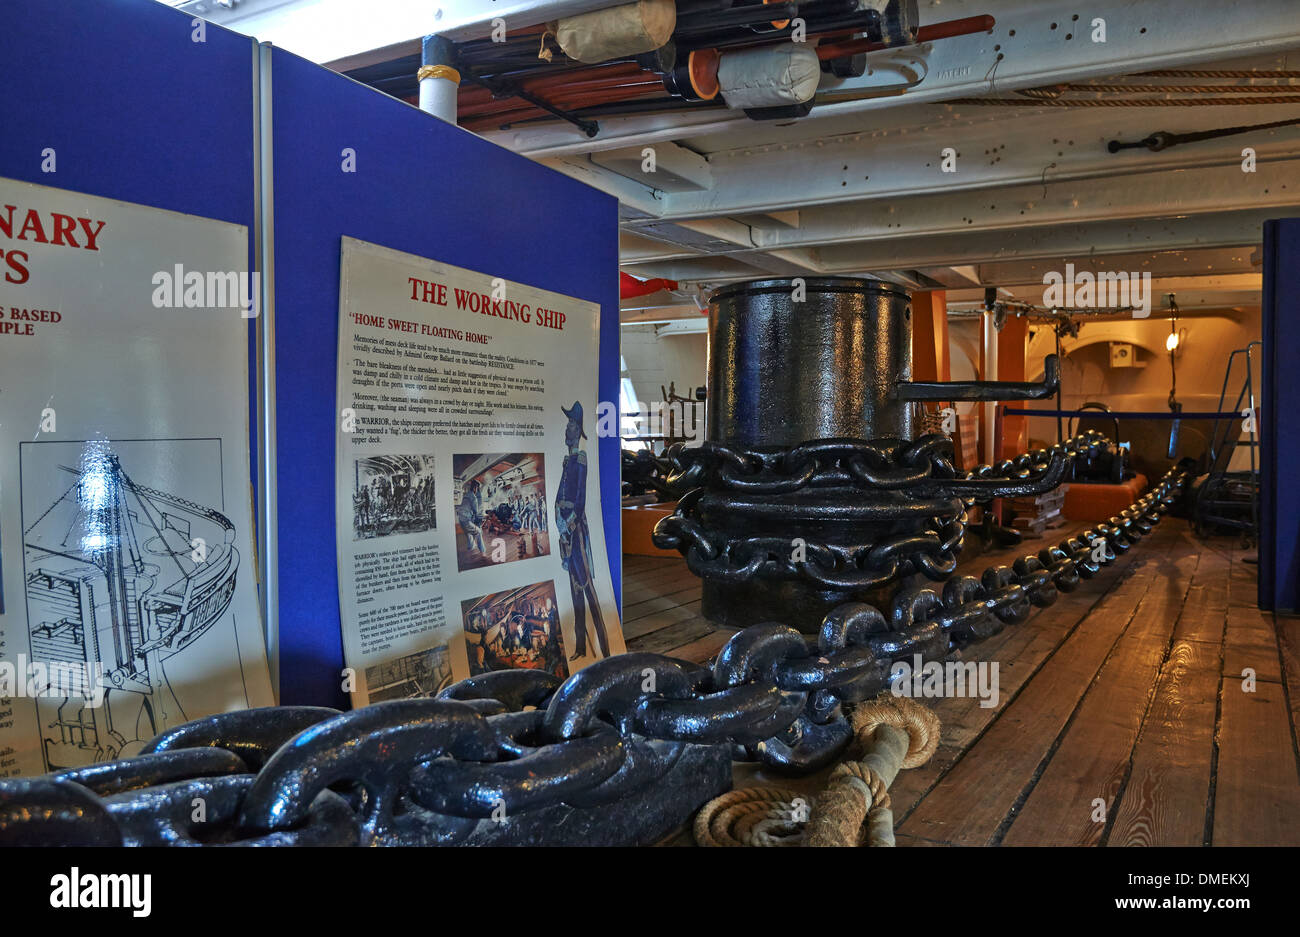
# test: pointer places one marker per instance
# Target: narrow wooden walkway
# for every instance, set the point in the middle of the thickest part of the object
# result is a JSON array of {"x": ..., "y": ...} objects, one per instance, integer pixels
[{"x": 1123, "y": 715}]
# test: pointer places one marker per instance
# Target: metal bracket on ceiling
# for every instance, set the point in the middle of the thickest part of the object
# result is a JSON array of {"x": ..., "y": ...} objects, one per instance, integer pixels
[
  {"x": 508, "y": 89},
  {"x": 1163, "y": 139}
]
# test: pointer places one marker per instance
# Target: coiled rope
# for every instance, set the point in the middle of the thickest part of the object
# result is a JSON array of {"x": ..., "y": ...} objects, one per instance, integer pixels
[
  {"x": 1052, "y": 96},
  {"x": 1127, "y": 102},
  {"x": 853, "y": 809},
  {"x": 752, "y": 816},
  {"x": 1217, "y": 73}
]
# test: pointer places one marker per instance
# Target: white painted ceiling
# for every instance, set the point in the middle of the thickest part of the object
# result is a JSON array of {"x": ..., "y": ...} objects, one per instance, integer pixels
[{"x": 857, "y": 188}]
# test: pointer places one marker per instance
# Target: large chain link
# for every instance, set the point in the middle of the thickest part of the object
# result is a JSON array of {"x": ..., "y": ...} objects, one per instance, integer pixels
[
  {"x": 919, "y": 468},
  {"x": 870, "y": 482},
  {"x": 502, "y": 744}
]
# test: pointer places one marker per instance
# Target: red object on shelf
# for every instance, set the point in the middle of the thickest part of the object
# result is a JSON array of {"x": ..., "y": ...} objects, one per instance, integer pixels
[{"x": 629, "y": 286}]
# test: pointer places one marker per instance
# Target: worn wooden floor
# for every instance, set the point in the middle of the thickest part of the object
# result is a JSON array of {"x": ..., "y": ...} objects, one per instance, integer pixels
[{"x": 1123, "y": 717}]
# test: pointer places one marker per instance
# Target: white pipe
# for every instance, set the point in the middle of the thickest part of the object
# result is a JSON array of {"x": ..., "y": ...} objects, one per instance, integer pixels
[
  {"x": 990, "y": 338},
  {"x": 438, "y": 87}
]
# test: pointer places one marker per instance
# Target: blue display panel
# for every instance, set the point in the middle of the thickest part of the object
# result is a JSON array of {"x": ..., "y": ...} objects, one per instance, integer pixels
[
  {"x": 135, "y": 101},
  {"x": 424, "y": 187},
  {"x": 132, "y": 104},
  {"x": 1279, "y": 541}
]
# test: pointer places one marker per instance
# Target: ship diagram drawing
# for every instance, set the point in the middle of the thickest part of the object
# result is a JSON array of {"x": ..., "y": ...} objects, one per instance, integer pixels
[{"x": 121, "y": 579}]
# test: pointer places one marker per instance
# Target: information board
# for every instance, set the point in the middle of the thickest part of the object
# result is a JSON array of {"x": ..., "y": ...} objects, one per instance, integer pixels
[
  {"x": 466, "y": 477},
  {"x": 129, "y": 601}
]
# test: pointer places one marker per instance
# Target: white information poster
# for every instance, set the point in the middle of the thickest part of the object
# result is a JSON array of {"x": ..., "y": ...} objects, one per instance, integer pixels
[
  {"x": 129, "y": 600},
  {"x": 469, "y": 523}
]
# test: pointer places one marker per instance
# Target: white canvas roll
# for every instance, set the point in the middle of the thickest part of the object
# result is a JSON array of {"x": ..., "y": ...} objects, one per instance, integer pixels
[
  {"x": 617, "y": 32},
  {"x": 769, "y": 76}
]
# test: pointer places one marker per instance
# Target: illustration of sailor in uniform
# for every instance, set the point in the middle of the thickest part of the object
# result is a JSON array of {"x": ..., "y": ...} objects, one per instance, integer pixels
[
  {"x": 575, "y": 537},
  {"x": 532, "y": 526},
  {"x": 470, "y": 514}
]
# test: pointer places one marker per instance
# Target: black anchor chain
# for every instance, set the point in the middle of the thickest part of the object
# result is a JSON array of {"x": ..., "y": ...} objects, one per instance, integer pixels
[
  {"x": 507, "y": 744},
  {"x": 907, "y": 494}
]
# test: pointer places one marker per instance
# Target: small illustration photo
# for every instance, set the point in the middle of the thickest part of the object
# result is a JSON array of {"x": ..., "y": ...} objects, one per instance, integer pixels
[
  {"x": 517, "y": 628},
  {"x": 392, "y": 494},
  {"x": 415, "y": 676},
  {"x": 500, "y": 508}
]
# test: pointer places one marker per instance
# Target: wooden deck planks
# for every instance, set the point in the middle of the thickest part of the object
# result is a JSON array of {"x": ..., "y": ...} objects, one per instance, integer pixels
[
  {"x": 1166, "y": 799},
  {"x": 702, "y": 648},
  {"x": 1071, "y": 801},
  {"x": 1257, "y": 789},
  {"x": 1251, "y": 643},
  {"x": 674, "y": 636},
  {"x": 680, "y": 595},
  {"x": 636, "y": 594},
  {"x": 1126, "y": 690},
  {"x": 642, "y": 627},
  {"x": 633, "y": 564},
  {"x": 663, "y": 570},
  {"x": 970, "y": 803},
  {"x": 1019, "y": 651}
]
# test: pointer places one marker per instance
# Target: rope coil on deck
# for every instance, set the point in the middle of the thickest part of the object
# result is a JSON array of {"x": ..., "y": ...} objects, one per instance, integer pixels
[
  {"x": 751, "y": 816},
  {"x": 855, "y": 805},
  {"x": 919, "y": 722},
  {"x": 853, "y": 809}
]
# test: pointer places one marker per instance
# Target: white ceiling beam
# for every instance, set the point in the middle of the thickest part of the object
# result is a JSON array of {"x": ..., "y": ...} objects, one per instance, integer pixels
[
  {"x": 660, "y": 314},
  {"x": 1222, "y": 229},
  {"x": 683, "y": 327},
  {"x": 994, "y": 148},
  {"x": 635, "y": 199},
  {"x": 1114, "y": 197},
  {"x": 632, "y": 247},
  {"x": 666, "y": 166},
  {"x": 1202, "y": 262},
  {"x": 775, "y": 219},
  {"x": 966, "y": 273},
  {"x": 784, "y": 263},
  {"x": 1134, "y": 236}
]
